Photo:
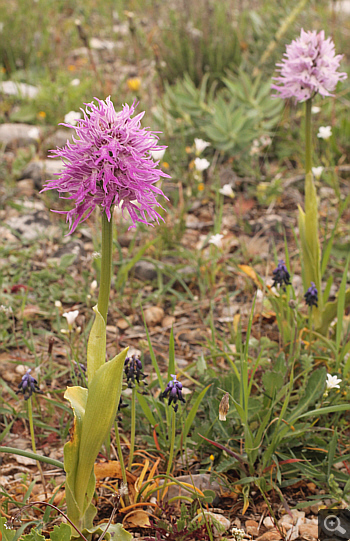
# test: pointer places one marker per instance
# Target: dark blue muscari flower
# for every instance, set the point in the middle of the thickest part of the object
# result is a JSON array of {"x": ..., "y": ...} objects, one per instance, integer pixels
[
  {"x": 311, "y": 296},
  {"x": 133, "y": 370},
  {"x": 281, "y": 275},
  {"x": 28, "y": 385},
  {"x": 173, "y": 392}
]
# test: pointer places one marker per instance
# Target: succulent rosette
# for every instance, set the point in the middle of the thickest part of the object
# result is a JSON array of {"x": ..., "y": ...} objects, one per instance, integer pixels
[
  {"x": 109, "y": 163},
  {"x": 309, "y": 67}
]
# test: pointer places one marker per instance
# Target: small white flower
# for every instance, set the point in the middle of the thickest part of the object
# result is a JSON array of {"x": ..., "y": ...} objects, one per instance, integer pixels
[
  {"x": 227, "y": 190},
  {"x": 6, "y": 309},
  {"x": 201, "y": 164},
  {"x": 96, "y": 255},
  {"x": 75, "y": 82},
  {"x": 93, "y": 286},
  {"x": 158, "y": 154},
  {"x": 324, "y": 132},
  {"x": 315, "y": 109},
  {"x": 317, "y": 171},
  {"x": 200, "y": 145},
  {"x": 71, "y": 317},
  {"x": 58, "y": 304},
  {"x": 332, "y": 382},
  {"x": 72, "y": 117},
  {"x": 34, "y": 133},
  {"x": 216, "y": 239}
]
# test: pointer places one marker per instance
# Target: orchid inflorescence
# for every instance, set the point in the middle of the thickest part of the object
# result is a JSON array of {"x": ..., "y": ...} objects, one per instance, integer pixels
[
  {"x": 109, "y": 163},
  {"x": 309, "y": 67}
]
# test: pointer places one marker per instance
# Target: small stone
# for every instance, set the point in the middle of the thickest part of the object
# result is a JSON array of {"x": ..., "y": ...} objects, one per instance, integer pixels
[
  {"x": 315, "y": 508},
  {"x": 153, "y": 315},
  {"x": 270, "y": 535},
  {"x": 25, "y": 187},
  {"x": 287, "y": 519},
  {"x": 168, "y": 321},
  {"x": 122, "y": 324},
  {"x": 269, "y": 523},
  {"x": 17, "y": 135},
  {"x": 31, "y": 226},
  {"x": 252, "y": 528},
  {"x": 41, "y": 170},
  {"x": 23, "y": 90},
  {"x": 285, "y": 525},
  {"x": 308, "y": 531},
  {"x": 144, "y": 270}
]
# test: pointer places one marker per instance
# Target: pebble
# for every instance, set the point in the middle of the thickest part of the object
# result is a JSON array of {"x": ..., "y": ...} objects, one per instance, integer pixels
[
  {"x": 17, "y": 135},
  {"x": 270, "y": 535},
  {"x": 269, "y": 523},
  {"x": 41, "y": 170},
  {"x": 13, "y": 88},
  {"x": 153, "y": 315},
  {"x": 308, "y": 531},
  {"x": 31, "y": 226},
  {"x": 252, "y": 528}
]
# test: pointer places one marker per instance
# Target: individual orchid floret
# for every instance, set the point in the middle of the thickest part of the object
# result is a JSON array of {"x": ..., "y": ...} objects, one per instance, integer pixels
[
  {"x": 173, "y": 392},
  {"x": 216, "y": 239},
  {"x": 28, "y": 385},
  {"x": 324, "y": 132},
  {"x": 201, "y": 164},
  {"x": 317, "y": 171},
  {"x": 281, "y": 275},
  {"x": 332, "y": 382},
  {"x": 200, "y": 145},
  {"x": 133, "y": 370},
  {"x": 109, "y": 163},
  {"x": 311, "y": 296},
  {"x": 227, "y": 190},
  {"x": 309, "y": 67}
]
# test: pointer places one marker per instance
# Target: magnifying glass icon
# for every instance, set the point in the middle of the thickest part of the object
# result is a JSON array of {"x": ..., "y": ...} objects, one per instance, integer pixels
[{"x": 332, "y": 524}]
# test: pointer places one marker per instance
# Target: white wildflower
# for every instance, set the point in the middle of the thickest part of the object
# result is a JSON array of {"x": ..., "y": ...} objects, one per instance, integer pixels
[
  {"x": 58, "y": 304},
  {"x": 317, "y": 171},
  {"x": 200, "y": 145},
  {"x": 216, "y": 239},
  {"x": 332, "y": 382},
  {"x": 71, "y": 317},
  {"x": 34, "y": 133},
  {"x": 227, "y": 190},
  {"x": 201, "y": 164},
  {"x": 75, "y": 82},
  {"x": 158, "y": 154},
  {"x": 324, "y": 132},
  {"x": 315, "y": 109},
  {"x": 72, "y": 117},
  {"x": 93, "y": 286}
]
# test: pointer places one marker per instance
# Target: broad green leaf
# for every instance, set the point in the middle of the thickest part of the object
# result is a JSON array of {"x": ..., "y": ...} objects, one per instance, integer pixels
[
  {"x": 77, "y": 397},
  {"x": 115, "y": 532},
  {"x": 101, "y": 408},
  {"x": 96, "y": 349},
  {"x": 324, "y": 411},
  {"x": 61, "y": 533}
]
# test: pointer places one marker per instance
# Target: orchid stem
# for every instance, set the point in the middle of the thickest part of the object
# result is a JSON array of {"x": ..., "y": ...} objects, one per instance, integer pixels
[
  {"x": 32, "y": 435},
  {"x": 106, "y": 264},
  {"x": 308, "y": 139}
]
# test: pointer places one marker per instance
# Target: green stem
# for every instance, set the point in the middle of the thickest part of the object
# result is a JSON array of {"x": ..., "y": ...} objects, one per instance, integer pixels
[
  {"x": 106, "y": 265},
  {"x": 121, "y": 459},
  {"x": 133, "y": 427},
  {"x": 32, "y": 436},
  {"x": 172, "y": 442},
  {"x": 308, "y": 139},
  {"x": 28, "y": 454}
]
